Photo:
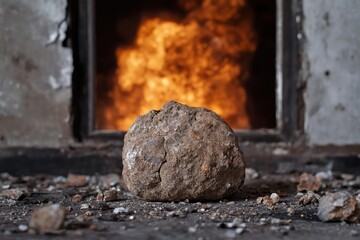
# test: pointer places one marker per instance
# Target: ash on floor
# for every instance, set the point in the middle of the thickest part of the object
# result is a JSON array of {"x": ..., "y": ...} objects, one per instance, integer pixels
[{"x": 99, "y": 207}]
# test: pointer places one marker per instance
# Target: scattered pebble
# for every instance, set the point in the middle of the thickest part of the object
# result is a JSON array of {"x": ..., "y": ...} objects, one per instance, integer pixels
[
  {"x": 309, "y": 182},
  {"x": 74, "y": 180},
  {"x": 269, "y": 201},
  {"x": 13, "y": 193},
  {"x": 84, "y": 206},
  {"x": 23, "y": 228},
  {"x": 290, "y": 211},
  {"x": 309, "y": 197},
  {"x": 192, "y": 229},
  {"x": 77, "y": 198},
  {"x": 47, "y": 219},
  {"x": 275, "y": 198},
  {"x": 107, "y": 196},
  {"x": 119, "y": 210}
]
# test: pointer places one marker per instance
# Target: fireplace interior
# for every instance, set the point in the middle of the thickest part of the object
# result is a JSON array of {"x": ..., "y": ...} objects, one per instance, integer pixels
[{"x": 205, "y": 53}]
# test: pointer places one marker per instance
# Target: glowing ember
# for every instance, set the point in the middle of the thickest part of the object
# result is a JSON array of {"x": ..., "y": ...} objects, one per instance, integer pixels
[{"x": 200, "y": 61}]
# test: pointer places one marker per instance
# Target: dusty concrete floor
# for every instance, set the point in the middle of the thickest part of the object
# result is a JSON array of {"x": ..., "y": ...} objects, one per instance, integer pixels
[{"x": 237, "y": 218}]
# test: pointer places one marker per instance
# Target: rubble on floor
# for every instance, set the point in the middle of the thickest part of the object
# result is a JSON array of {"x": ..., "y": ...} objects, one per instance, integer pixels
[{"x": 100, "y": 207}]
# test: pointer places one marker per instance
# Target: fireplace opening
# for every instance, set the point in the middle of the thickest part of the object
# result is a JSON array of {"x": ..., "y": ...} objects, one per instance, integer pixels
[{"x": 218, "y": 54}]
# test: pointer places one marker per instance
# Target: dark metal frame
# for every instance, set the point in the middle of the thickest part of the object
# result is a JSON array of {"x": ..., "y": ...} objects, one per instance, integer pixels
[{"x": 83, "y": 85}]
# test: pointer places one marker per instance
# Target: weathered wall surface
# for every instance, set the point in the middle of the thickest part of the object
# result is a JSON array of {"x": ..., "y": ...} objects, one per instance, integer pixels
[
  {"x": 332, "y": 52},
  {"x": 35, "y": 74}
]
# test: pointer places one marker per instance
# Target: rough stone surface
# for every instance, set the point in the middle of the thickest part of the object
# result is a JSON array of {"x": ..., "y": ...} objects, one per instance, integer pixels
[
  {"x": 36, "y": 71},
  {"x": 47, "y": 219},
  {"x": 331, "y": 60},
  {"x": 338, "y": 206},
  {"x": 309, "y": 182},
  {"x": 14, "y": 194},
  {"x": 181, "y": 153}
]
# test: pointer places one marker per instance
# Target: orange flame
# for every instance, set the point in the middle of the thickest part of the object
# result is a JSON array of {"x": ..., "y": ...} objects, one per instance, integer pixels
[{"x": 200, "y": 61}]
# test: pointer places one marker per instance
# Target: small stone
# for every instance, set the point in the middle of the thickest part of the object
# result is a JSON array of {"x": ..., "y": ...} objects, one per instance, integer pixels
[
  {"x": 119, "y": 210},
  {"x": 84, "y": 206},
  {"x": 13, "y": 193},
  {"x": 181, "y": 152},
  {"x": 275, "y": 198},
  {"x": 107, "y": 196},
  {"x": 110, "y": 195},
  {"x": 23, "y": 228},
  {"x": 259, "y": 200},
  {"x": 192, "y": 229},
  {"x": 47, "y": 219},
  {"x": 77, "y": 198},
  {"x": 309, "y": 182},
  {"x": 290, "y": 211},
  {"x": 268, "y": 201},
  {"x": 100, "y": 197},
  {"x": 77, "y": 180},
  {"x": 239, "y": 230},
  {"x": 338, "y": 206},
  {"x": 88, "y": 213},
  {"x": 309, "y": 197}
]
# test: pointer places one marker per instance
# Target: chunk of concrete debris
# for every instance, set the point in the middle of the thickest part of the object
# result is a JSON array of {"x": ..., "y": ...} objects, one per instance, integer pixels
[
  {"x": 47, "y": 219},
  {"x": 269, "y": 201},
  {"x": 181, "y": 152},
  {"x": 275, "y": 198},
  {"x": 309, "y": 197},
  {"x": 13, "y": 193},
  {"x": 77, "y": 198},
  {"x": 309, "y": 182},
  {"x": 74, "y": 180},
  {"x": 338, "y": 206},
  {"x": 107, "y": 196}
]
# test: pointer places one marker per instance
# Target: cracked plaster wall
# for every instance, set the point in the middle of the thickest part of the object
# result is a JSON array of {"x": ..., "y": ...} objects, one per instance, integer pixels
[
  {"x": 332, "y": 70},
  {"x": 35, "y": 74}
]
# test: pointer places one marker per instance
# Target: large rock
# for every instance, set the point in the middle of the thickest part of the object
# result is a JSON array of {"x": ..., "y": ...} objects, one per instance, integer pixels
[{"x": 181, "y": 152}]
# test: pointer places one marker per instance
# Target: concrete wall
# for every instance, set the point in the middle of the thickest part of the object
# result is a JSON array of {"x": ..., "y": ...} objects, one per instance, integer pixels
[
  {"x": 332, "y": 67},
  {"x": 35, "y": 74}
]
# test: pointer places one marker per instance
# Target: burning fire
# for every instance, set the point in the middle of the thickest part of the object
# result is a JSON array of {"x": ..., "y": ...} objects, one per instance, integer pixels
[{"x": 200, "y": 61}]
